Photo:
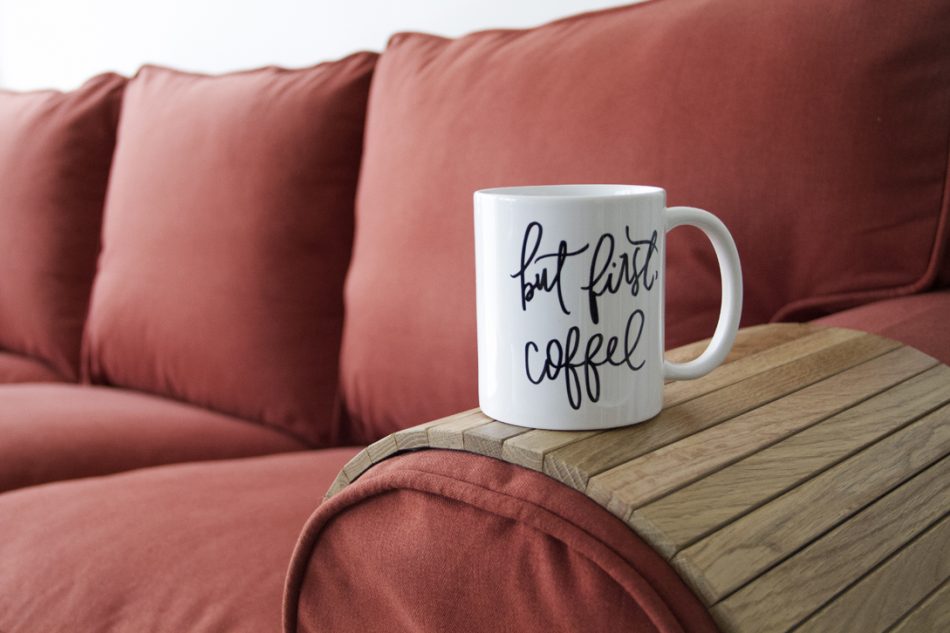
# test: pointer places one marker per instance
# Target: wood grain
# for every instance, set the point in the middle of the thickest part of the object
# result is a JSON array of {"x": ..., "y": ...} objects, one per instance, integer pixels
[
  {"x": 796, "y": 588},
  {"x": 418, "y": 436},
  {"x": 932, "y": 614},
  {"x": 879, "y": 599},
  {"x": 406, "y": 439},
  {"x": 722, "y": 562},
  {"x": 749, "y": 340},
  {"x": 576, "y": 463},
  {"x": 357, "y": 465},
  {"x": 679, "y": 519},
  {"x": 660, "y": 471},
  {"x": 449, "y": 434},
  {"x": 754, "y": 363},
  {"x": 381, "y": 449},
  {"x": 529, "y": 449},
  {"x": 489, "y": 439},
  {"x": 341, "y": 482}
]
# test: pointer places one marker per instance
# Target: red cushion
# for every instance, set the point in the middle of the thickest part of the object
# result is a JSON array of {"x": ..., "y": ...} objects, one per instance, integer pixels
[
  {"x": 449, "y": 541},
  {"x": 55, "y": 152},
  {"x": 227, "y": 236},
  {"x": 943, "y": 279},
  {"x": 202, "y": 548},
  {"x": 921, "y": 321},
  {"x": 55, "y": 432},
  {"x": 817, "y": 131},
  {"x": 15, "y": 368}
]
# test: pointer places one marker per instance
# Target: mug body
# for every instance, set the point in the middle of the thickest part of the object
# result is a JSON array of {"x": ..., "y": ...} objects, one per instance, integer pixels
[{"x": 569, "y": 282}]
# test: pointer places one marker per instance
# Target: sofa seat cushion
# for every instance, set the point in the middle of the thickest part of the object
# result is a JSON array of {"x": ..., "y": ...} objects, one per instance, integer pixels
[
  {"x": 817, "y": 131},
  {"x": 55, "y": 154},
  {"x": 921, "y": 321},
  {"x": 202, "y": 548},
  {"x": 227, "y": 235},
  {"x": 54, "y": 432},
  {"x": 451, "y": 541},
  {"x": 16, "y": 368}
]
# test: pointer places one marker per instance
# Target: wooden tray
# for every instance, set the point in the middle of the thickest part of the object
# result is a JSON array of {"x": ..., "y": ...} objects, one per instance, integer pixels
[{"x": 805, "y": 483}]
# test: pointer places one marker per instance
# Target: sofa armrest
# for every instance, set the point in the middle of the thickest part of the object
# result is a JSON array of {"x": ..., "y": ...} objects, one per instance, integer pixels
[
  {"x": 768, "y": 487},
  {"x": 921, "y": 321},
  {"x": 444, "y": 540}
]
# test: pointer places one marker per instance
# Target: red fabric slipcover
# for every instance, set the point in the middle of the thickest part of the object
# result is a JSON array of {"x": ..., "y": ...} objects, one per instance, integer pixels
[
  {"x": 449, "y": 541},
  {"x": 943, "y": 280},
  {"x": 227, "y": 236},
  {"x": 55, "y": 153},
  {"x": 921, "y": 321},
  {"x": 15, "y": 368},
  {"x": 55, "y": 432},
  {"x": 196, "y": 548},
  {"x": 816, "y": 130}
]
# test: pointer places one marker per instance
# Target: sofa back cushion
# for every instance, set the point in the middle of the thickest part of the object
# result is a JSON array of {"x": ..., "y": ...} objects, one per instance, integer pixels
[
  {"x": 817, "y": 131},
  {"x": 55, "y": 152},
  {"x": 227, "y": 235}
]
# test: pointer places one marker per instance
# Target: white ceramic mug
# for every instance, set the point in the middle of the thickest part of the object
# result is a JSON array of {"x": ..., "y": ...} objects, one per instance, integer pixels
[{"x": 570, "y": 288}]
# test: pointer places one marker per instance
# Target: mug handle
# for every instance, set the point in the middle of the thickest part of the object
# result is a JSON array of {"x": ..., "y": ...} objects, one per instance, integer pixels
[{"x": 731, "y": 307}]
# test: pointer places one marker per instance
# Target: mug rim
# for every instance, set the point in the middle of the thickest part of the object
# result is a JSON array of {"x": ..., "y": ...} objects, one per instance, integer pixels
[{"x": 571, "y": 192}]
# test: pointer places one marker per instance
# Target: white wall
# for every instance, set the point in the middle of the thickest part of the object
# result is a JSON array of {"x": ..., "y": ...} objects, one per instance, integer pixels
[{"x": 60, "y": 43}]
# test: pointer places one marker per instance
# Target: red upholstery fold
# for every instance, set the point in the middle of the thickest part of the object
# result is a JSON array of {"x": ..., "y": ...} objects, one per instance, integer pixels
[
  {"x": 921, "y": 321},
  {"x": 55, "y": 432},
  {"x": 15, "y": 368},
  {"x": 450, "y": 541}
]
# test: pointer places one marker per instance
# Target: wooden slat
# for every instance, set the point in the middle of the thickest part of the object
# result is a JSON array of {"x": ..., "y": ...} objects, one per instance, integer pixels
[
  {"x": 489, "y": 439},
  {"x": 752, "y": 364},
  {"x": 679, "y": 519},
  {"x": 529, "y": 449},
  {"x": 450, "y": 434},
  {"x": 799, "y": 586},
  {"x": 418, "y": 436},
  {"x": 883, "y": 596},
  {"x": 576, "y": 463},
  {"x": 748, "y": 341},
  {"x": 406, "y": 439},
  {"x": 381, "y": 449},
  {"x": 722, "y": 562},
  {"x": 660, "y": 471},
  {"x": 357, "y": 465},
  {"x": 341, "y": 482},
  {"x": 932, "y": 614}
]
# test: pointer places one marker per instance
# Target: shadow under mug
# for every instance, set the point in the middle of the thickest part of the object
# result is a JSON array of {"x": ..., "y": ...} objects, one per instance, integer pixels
[{"x": 570, "y": 303}]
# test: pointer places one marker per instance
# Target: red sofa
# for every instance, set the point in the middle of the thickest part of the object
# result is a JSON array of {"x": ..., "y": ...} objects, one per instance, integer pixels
[{"x": 257, "y": 273}]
